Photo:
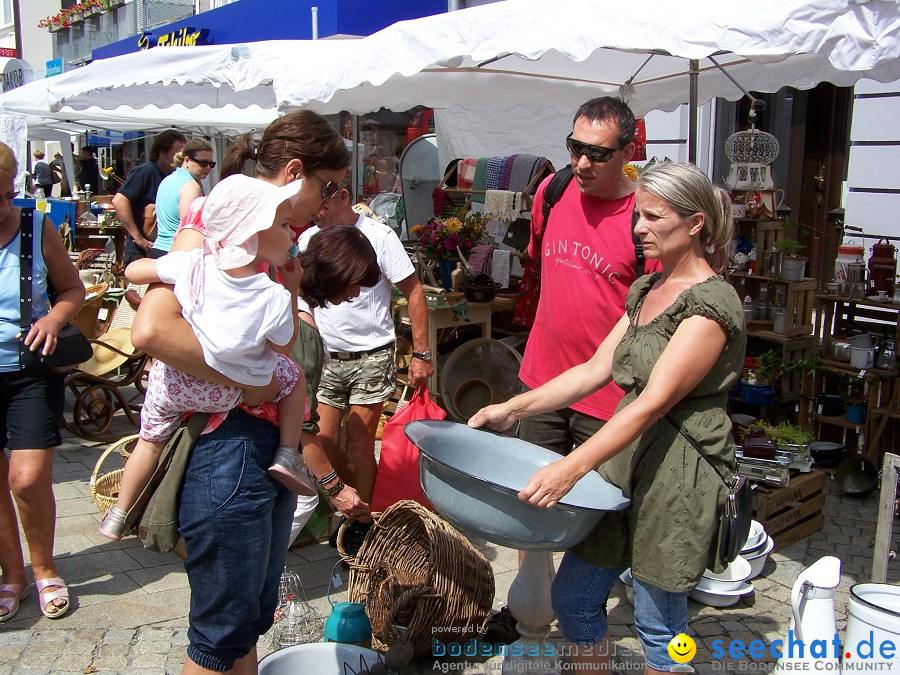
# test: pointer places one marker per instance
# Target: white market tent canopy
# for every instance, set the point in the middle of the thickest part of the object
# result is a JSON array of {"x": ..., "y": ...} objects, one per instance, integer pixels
[{"x": 517, "y": 54}]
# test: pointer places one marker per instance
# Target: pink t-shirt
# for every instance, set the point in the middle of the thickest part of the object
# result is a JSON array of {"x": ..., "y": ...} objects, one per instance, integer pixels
[{"x": 587, "y": 267}]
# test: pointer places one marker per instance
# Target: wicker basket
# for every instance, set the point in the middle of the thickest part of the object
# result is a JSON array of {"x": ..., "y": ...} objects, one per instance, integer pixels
[
  {"x": 105, "y": 487},
  {"x": 420, "y": 580},
  {"x": 85, "y": 319}
]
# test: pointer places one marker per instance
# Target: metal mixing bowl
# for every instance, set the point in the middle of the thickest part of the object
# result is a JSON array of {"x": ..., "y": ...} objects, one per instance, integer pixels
[{"x": 472, "y": 477}]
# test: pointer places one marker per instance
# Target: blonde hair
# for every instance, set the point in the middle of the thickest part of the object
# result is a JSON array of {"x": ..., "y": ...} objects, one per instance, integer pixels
[
  {"x": 686, "y": 189},
  {"x": 192, "y": 146},
  {"x": 9, "y": 165},
  {"x": 38, "y": 154}
]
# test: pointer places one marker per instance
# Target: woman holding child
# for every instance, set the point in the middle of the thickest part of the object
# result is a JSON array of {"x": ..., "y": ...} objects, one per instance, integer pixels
[{"x": 235, "y": 519}]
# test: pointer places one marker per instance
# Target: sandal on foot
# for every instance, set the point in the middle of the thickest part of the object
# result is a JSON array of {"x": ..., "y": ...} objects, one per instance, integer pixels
[
  {"x": 11, "y": 603},
  {"x": 48, "y": 609}
]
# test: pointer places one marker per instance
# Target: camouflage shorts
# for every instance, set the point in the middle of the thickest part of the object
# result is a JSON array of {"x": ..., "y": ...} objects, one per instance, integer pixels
[{"x": 364, "y": 381}]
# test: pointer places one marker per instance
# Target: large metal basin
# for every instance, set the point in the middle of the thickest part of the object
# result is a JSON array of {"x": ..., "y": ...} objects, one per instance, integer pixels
[{"x": 472, "y": 477}]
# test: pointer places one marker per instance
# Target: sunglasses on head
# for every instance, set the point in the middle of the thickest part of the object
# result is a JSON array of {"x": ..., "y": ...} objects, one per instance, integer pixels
[
  {"x": 205, "y": 163},
  {"x": 596, "y": 153}
]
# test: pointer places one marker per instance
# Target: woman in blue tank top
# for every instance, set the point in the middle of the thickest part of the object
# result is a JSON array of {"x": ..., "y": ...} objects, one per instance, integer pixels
[
  {"x": 30, "y": 407},
  {"x": 178, "y": 190}
]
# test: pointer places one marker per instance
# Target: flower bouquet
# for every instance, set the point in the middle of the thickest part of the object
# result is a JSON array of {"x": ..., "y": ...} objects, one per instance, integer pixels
[{"x": 444, "y": 238}]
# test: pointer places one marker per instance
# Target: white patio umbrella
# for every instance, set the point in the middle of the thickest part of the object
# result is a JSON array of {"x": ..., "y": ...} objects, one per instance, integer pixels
[
  {"x": 528, "y": 53},
  {"x": 555, "y": 55}
]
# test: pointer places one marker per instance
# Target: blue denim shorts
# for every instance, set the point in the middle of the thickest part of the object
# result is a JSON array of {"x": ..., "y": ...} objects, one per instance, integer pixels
[
  {"x": 236, "y": 522},
  {"x": 579, "y": 595}
]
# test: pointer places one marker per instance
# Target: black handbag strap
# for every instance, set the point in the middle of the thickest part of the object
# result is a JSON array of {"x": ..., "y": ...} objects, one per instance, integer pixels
[
  {"x": 26, "y": 274},
  {"x": 730, "y": 484}
]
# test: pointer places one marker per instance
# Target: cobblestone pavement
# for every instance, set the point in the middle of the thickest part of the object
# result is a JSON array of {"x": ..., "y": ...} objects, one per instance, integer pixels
[{"x": 131, "y": 605}]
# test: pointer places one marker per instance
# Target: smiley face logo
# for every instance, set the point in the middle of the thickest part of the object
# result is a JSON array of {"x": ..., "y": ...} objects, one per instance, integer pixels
[{"x": 682, "y": 648}]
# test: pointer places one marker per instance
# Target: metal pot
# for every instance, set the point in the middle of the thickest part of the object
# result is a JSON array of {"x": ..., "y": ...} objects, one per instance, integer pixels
[
  {"x": 862, "y": 357},
  {"x": 840, "y": 350},
  {"x": 861, "y": 341},
  {"x": 857, "y": 477}
]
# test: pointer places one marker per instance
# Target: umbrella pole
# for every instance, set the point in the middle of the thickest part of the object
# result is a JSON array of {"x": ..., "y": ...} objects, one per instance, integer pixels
[{"x": 693, "y": 76}]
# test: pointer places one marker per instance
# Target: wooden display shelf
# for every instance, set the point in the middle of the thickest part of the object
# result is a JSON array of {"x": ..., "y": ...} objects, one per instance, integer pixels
[
  {"x": 799, "y": 299},
  {"x": 836, "y": 421},
  {"x": 789, "y": 350}
]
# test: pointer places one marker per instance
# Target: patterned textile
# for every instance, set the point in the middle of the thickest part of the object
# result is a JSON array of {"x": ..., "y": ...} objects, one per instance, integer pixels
[
  {"x": 480, "y": 258},
  {"x": 500, "y": 261},
  {"x": 480, "y": 181},
  {"x": 465, "y": 173},
  {"x": 506, "y": 171},
  {"x": 524, "y": 167},
  {"x": 502, "y": 204},
  {"x": 492, "y": 173},
  {"x": 529, "y": 294}
]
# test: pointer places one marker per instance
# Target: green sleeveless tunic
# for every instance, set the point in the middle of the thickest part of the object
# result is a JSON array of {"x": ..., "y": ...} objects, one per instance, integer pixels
[{"x": 670, "y": 533}]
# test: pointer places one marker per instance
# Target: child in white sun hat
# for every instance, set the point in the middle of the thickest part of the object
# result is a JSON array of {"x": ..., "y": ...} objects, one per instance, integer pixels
[{"x": 245, "y": 322}]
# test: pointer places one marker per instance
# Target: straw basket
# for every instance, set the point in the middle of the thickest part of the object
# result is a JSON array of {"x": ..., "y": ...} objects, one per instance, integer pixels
[
  {"x": 420, "y": 580},
  {"x": 105, "y": 487}
]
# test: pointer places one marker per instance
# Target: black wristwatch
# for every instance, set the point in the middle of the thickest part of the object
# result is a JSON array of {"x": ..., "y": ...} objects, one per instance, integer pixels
[{"x": 423, "y": 356}]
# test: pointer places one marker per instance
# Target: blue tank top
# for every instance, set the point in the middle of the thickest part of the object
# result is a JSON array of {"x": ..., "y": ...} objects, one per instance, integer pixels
[
  {"x": 167, "y": 220},
  {"x": 9, "y": 293}
]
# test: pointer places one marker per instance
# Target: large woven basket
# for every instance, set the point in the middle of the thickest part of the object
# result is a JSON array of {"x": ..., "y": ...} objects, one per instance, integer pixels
[
  {"x": 420, "y": 580},
  {"x": 105, "y": 487},
  {"x": 85, "y": 319}
]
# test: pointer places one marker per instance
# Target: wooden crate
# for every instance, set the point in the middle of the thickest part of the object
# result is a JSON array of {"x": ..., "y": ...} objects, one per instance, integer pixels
[
  {"x": 791, "y": 513},
  {"x": 767, "y": 233},
  {"x": 799, "y": 299}
]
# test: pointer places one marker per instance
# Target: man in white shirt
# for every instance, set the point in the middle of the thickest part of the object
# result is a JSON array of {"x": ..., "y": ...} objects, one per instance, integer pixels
[{"x": 359, "y": 337}]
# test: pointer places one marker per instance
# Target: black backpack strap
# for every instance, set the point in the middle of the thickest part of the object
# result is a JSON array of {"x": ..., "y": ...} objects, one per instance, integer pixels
[
  {"x": 639, "y": 260},
  {"x": 555, "y": 188},
  {"x": 554, "y": 191}
]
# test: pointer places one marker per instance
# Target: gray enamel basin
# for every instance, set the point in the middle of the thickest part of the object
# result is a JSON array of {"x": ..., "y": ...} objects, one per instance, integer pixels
[{"x": 472, "y": 477}]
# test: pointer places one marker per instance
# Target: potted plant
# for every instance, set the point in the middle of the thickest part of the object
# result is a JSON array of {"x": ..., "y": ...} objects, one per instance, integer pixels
[
  {"x": 792, "y": 265},
  {"x": 443, "y": 239},
  {"x": 787, "y": 436},
  {"x": 758, "y": 384}
]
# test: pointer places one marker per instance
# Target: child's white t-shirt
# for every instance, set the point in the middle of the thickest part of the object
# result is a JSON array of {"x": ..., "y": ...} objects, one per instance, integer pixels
[{"x": 233, "y": 318}]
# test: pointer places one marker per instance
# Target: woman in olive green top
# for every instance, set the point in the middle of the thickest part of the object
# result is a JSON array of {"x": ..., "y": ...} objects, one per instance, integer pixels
[{"x": 676, "y": 352}]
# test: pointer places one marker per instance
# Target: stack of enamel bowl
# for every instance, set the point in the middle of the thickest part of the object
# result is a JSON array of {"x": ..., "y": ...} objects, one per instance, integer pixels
[
  {"x": 725, "y": 589},
  {"x": 757, "y": 549}
]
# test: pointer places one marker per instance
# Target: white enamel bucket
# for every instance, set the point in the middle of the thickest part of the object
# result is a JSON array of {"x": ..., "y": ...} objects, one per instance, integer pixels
[{"x": 873, "y": 620}]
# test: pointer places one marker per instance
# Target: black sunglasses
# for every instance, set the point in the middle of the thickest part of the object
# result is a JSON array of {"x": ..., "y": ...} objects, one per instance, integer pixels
[
  {"x": 205, "y": 163},
  {"x": 329, "y": 189},
  {"x": 596, "y": 153}
]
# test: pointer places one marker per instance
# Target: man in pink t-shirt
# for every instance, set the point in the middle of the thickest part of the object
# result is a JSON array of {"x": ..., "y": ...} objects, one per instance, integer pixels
[{"x": 587, "y": 261}]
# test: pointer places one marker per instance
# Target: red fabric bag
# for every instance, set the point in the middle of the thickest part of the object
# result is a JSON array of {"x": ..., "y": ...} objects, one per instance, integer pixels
[{"x": 398, "y": 466}]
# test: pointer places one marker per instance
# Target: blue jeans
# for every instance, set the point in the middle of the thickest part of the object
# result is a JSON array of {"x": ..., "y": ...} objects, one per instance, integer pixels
[
  {"x": 579, "y": 596},
  {"x": 235, "y": 521}
]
